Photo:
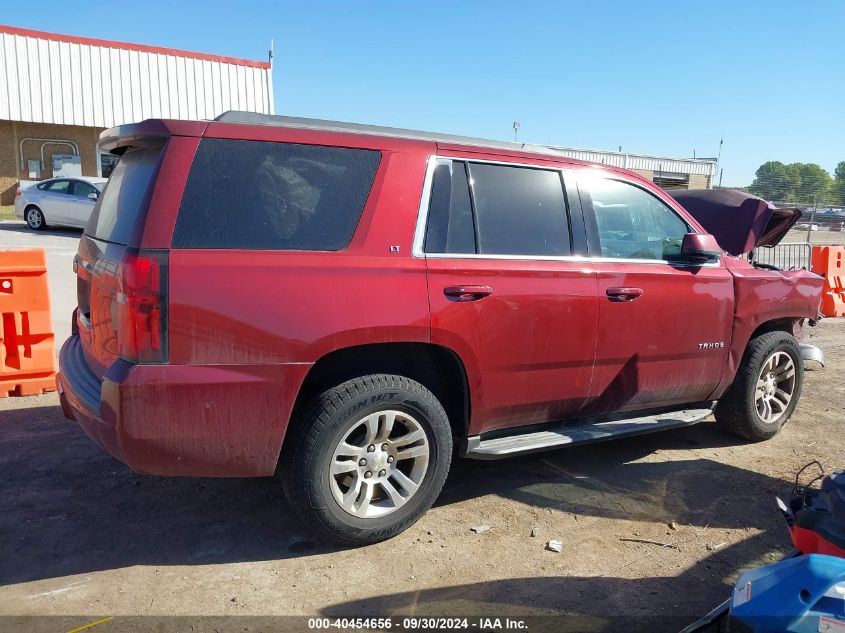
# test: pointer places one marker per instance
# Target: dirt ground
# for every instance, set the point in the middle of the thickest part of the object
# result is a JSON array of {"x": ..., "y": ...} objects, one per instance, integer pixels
[
  {"x": 82, "y": 535},
  {"x": 824, "y": 238}
]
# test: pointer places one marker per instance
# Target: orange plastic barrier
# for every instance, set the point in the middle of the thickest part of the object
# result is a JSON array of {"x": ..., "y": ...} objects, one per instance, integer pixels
[
  {"x": 27, "y": 358},
  {"x": 829, "y": 261}
]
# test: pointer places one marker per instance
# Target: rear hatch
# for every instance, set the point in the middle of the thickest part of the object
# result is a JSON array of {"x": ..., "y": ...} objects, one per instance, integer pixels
[{"x": 121, "y": 290}]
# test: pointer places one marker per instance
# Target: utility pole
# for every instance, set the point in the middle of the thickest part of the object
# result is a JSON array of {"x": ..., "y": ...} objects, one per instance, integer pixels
[
  {"x": 516, "y": 127},
  {"x": 719, "y": 160},
  {"x": 812, "y": 216}
]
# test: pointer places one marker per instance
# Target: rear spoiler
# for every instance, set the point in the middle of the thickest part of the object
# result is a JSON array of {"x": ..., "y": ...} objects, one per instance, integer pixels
[{"x": 115, "y": 140}]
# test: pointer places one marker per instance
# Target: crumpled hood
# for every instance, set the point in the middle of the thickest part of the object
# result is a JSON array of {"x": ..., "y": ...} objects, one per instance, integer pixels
[{"x": 739, "y": 221}]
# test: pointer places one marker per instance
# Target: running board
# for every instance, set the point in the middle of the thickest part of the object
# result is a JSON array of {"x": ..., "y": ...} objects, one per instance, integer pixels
[{"x": 579, "y": 432}]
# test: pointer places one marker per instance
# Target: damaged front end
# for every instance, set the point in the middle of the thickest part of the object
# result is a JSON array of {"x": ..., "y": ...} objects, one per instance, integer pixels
[
  {"x": 739, "y": 221},
  {"x": 764, "y": 293}
]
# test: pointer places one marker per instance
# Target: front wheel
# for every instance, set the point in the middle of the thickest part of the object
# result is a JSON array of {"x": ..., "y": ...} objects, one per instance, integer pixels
[
  {"x": 367, "y": 458},
  {"x": 765, "y": 390}
]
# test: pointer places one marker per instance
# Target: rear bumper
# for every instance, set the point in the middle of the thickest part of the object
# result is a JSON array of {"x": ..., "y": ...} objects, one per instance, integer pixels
[
  {"x": 191, "y": 420},
  {"x": 79, "y": 393}
]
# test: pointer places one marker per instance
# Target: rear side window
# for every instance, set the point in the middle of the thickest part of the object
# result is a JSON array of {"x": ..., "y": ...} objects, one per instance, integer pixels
[
  {"x": 519, "y": 210},
  {"x": 450, "y": 227},
  {"x": 82, "y": 189},
  {"x": 281, "y": 196},
  {"x": 58, "y": 186},
  {"x": 126, "y": 196},
  {"x": 487, "y": 209}
]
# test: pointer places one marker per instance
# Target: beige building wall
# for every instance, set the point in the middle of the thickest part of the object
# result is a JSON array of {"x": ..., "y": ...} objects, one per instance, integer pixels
[
  {"x": 697, "y": 181},
  {"x": 11, "y": 135},
  {"x": 8, "y": 168}
]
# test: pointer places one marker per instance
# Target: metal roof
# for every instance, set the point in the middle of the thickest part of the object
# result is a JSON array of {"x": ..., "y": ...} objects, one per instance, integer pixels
[
  {"x": 377, "y": 130},
  {"x": 646, "y": 162},
  {"x": 704, "y": 166},
  {"x": 68, "y": 80}
]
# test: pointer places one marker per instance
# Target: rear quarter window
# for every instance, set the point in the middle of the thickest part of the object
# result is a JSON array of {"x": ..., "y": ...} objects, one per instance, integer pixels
[{"x": 273, "y": 196}]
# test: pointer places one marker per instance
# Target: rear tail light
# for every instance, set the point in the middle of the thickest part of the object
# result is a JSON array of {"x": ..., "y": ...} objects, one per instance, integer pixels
[
  {"x": 17, "y": 193},
  {"x": 142, "y": 307}
]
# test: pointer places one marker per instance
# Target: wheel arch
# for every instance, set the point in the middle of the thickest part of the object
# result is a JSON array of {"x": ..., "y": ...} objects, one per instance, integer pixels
[
  {"x": 788, "y": 324},
  {"x": 437, "y": 368},
  {"x": 31, "y": 206}
]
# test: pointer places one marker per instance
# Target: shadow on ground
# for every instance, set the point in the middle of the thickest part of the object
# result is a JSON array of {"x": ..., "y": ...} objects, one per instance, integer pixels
[
  {"x": 69, "y": 508},
  {"x": 605, "y": 480},
  {"x": 568, "y": 603},
  {"x": 19, "y": 226}
]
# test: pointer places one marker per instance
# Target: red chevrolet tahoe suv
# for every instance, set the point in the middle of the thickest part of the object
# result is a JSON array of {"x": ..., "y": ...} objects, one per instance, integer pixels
[{"x": 341, "y": 305}]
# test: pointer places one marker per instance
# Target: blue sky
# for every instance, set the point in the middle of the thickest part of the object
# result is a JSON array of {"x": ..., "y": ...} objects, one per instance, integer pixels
[{"x": 654, "y": 77}]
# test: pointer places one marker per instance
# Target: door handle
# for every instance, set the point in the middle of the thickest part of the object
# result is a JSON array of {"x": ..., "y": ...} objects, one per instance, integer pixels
[
  {"x": 624, "y": 294},
  {"x": 467, "y": 293}
]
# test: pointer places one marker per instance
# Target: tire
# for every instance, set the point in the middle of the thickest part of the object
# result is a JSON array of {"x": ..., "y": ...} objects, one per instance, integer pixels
[
  {"x": 742, "y": 411},
  {"x": 410, "y": 455},
  {"x": 34, "y": 218}
]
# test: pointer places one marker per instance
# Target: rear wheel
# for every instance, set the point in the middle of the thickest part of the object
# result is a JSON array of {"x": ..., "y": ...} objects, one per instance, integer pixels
[
  {"x": 34, "y": 218},
  {"x": 367, "y": 458},
  {"x": 766, "y": 388}
]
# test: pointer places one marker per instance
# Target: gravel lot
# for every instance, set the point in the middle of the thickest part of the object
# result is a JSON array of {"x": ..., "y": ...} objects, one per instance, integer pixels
[{"x": 84, "y": 536}]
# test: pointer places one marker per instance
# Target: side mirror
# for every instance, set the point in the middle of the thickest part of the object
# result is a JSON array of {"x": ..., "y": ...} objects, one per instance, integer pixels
[
  {"x": 700, "y": 248},
  {"x": 92, "y": 196}
]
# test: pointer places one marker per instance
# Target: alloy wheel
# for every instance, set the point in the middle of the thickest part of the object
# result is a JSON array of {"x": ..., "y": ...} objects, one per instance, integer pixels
[
  {"x": 775, "y": 387},
  {"x": 34, "y": 219},
  {"x": 379, "y": 464}
]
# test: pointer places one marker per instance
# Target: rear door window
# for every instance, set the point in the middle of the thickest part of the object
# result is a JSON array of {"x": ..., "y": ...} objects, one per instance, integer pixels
[
  {"x": 519, "y": 210},
  {"x": 495, "y": 209},
  {"x": 266, "y": 195},
  {"x": 82, "y": 189},
  {"x": 59, "y": 186},
  {"x": 450, "y": 228}
]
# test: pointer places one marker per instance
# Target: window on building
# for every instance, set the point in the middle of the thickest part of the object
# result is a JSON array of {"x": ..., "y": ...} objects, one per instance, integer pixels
[
  {"x": 633, "y": 223},
  {"x": 671, "y": 180}
]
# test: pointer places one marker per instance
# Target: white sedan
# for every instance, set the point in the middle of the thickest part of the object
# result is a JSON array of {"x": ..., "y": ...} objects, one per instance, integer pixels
[{"x": 58, "y": 202}]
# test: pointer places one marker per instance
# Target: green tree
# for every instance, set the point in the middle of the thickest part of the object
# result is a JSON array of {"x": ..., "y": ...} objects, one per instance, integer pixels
[
  {"x": 775, "y": 181},
  {"x": 802, "y": 183},
  {"x": 815, "y": 183},
  {"x": 837, "y": 189}
]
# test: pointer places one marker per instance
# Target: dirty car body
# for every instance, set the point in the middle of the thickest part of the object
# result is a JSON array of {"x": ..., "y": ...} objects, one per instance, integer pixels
[{"x": 533, "y": 300}]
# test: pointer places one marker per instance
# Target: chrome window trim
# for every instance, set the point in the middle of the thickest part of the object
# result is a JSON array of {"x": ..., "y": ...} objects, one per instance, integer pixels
[
  {"x": 422, "y": 219},
  {"x": 576, "y": 259},
  {"x": 422, "y": 212}
]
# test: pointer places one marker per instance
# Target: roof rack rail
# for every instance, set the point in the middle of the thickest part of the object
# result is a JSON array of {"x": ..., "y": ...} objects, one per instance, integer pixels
[{"x": 254, "y": 118}]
